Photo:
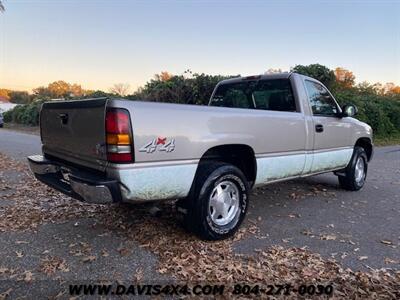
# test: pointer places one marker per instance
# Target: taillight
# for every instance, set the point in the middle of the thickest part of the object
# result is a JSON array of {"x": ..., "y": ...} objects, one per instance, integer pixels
[{"x": 118, "y": 136}]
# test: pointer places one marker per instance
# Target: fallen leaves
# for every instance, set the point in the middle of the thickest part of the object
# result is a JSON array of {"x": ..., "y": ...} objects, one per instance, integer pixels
[
  {"x": 181, "y": 254},
  {"x": 289, "y": 215},
  {"x": 4, "y": 295},
  {"x": 50, "y": 265},
  {"x": 317, "y": 190},
  {"x": 307, "y": 232},
  {"x": 189, "y": 259},
  {"x": 391, "y": 261},
  {"x": 89, "y": 258},
  {"x": 28, "y": 276},
  {"x": 138, "y": 276},
  {"x": 34, "y": 202},
  {"x": 21, "y": 242},
  {"x": 386, "y": 242},
  {"x": 123, "y": 251},
  {"x": 82, "y": 249},
  {"x": 328, "y": 237}
]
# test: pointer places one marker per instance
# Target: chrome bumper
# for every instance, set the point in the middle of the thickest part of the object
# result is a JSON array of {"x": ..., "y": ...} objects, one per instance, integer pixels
[{"x": 78, "y": 184}]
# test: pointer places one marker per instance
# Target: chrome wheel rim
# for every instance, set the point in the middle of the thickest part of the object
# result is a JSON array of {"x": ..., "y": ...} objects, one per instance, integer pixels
[
  {"x": 224, "y": 203},
  {"x": 359, "y": 171}
]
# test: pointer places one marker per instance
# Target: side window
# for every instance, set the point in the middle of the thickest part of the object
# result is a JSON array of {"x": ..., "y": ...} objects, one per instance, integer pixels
[
  {"x": 320, "y": 100},
  {"x": 274, "y": 95}
]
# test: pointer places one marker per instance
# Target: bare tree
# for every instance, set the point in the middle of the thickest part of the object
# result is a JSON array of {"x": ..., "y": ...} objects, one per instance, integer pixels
[
  {"x": 2, "y": 9},
  {"x": 120, "y": 89}
]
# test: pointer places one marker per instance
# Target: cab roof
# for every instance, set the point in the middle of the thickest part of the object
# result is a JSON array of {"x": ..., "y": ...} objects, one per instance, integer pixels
[{"x": 284, "y": 75}]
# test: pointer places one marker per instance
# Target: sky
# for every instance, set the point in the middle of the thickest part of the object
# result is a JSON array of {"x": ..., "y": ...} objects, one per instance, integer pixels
[{"x": 100, "y": 43}]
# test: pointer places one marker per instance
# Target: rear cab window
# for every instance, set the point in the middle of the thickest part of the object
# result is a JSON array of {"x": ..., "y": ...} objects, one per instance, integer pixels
[{"x": 267, "y": 94}]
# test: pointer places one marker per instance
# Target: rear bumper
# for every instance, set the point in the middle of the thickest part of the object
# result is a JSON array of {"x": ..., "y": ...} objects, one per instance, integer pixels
[{"x": 81, "y": 185}]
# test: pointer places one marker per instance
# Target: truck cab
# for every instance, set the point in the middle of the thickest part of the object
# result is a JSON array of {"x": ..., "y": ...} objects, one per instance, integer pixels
[{"x": 309, "y": 131}]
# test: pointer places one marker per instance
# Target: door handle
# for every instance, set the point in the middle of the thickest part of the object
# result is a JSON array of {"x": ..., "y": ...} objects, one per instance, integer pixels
[{"x": 319, "y": 128}]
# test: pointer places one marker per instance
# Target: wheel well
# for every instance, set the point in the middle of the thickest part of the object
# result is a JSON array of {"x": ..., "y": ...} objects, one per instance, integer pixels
[
  {"x": 367, "y": 145},
  {"x": 241, "y": 156}
]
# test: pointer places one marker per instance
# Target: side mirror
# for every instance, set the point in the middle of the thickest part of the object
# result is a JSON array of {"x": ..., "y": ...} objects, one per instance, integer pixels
[{"x": 349, "y": 110}]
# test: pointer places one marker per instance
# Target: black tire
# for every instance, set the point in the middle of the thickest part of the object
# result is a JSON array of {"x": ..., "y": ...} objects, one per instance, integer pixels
[
  {"x": 1, "y": 125},
  {"x": 209, "y": 177},
  {"x": 350, "y": 181}
]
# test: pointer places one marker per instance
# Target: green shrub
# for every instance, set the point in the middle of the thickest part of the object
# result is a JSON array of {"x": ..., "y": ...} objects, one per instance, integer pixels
[
  {"x": 380, "y": 111},
  {"x": 186, "y": 89},
  {"x": 8, "y": 116}
]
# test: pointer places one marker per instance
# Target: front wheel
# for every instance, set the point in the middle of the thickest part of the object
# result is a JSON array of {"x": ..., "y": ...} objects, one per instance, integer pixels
[
  {"x": 219, "y": 201},
  {"x": 356, "y": 171}
]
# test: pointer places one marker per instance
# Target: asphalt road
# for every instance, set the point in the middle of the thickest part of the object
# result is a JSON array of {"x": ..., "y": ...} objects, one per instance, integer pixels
[
  {"x": 358, "y": 229},
  {"x": 19, "y": 145}
]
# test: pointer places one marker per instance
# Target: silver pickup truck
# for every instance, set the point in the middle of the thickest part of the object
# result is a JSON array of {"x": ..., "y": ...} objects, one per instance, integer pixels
[{"x": 256, "y": 130}]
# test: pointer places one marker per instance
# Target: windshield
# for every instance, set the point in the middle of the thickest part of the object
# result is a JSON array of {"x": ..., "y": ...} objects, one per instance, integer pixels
[{"x": 273, "y": 94}]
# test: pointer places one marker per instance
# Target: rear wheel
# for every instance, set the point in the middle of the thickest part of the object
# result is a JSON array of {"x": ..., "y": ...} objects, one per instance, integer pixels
[
  {"x": 356, "y": 171},
  {"x": 218, "y": 202}
]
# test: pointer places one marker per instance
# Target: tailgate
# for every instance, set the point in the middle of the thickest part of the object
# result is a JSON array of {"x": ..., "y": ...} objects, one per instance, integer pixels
[{"x": 75, "y": 131}]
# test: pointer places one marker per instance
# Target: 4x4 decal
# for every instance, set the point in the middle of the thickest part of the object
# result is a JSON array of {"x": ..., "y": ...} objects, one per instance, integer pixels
[{"x": 160, "y": 144}]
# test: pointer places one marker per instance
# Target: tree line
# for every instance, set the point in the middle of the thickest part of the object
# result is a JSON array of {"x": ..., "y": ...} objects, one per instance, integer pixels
[{"x": 379, "y": 105}]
